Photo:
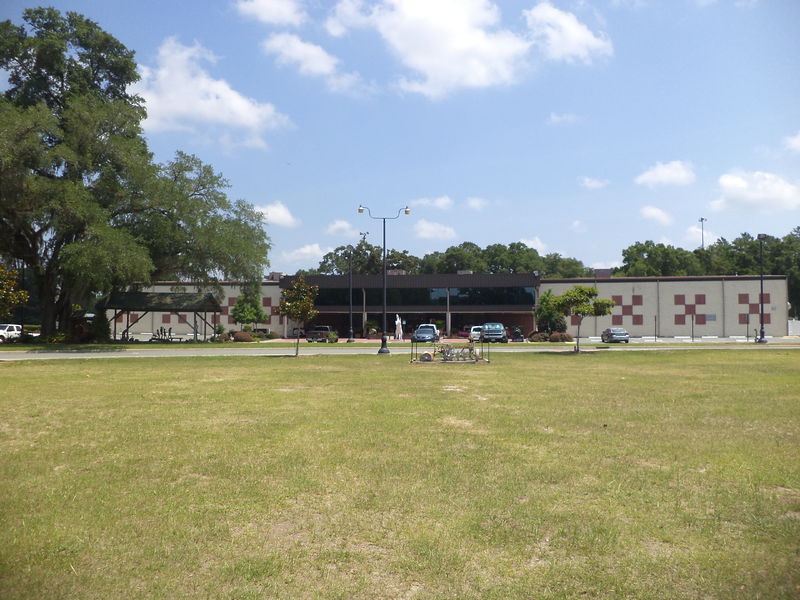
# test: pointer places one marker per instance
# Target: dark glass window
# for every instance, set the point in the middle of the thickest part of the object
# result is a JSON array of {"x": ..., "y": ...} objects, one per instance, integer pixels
[{"x": 486, "y": 296}]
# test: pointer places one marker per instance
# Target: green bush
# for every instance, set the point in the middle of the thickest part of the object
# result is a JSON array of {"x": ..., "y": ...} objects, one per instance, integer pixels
[
  {"x": 242, "y": 336},
  {"x": 332, "y": 337}
]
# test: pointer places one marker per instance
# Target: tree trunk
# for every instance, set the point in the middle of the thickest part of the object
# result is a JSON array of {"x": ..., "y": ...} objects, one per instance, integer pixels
[{"x": 297, "y": 344}]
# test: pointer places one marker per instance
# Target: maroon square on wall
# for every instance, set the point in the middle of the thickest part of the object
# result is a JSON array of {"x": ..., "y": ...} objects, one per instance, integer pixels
[
  {"x": 680, "y": 299},
  {"x": 638, "y": 319},
  {"x": 266, "y": 301},
  {"x": 699, "y": 298},
  {"x": 680, "y": 319},
  {"x": 575, "y": 320},
  {"x": 617, "y": 300},
  {"x": 766, "y": 319},
  {"x": 690, "y": 309},
  {"x": 231, "y": 301},
  {"x": 744, "y": 298},
  {"x": 627, "y": 309},
  {"x": 700, "y": 319},
  {"x": 638, "y": 300},
  {"x": 766, "y": 298},
  {"x": 754, "y": 309},
  {"x": 181, "y": 318},
  {"x": 743, "y": 320},
  {"x": 166, "y": 319},
  {"x": 616, "y": 320}
]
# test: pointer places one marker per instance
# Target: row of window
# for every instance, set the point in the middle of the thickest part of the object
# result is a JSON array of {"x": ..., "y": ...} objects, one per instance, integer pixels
[{"x": 504, "y": 296}]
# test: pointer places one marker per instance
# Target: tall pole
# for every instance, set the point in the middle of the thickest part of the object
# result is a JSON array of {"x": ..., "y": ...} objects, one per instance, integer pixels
[
  {"x": 384, "y": 349},
  {"x": 762, "y": 338},
  {"x": 350, "y": 339},
  {"x": 702, "y": 233}
]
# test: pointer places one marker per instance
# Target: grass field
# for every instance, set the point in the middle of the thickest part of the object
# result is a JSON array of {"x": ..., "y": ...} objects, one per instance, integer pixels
[{"x": 602, "y": 475}]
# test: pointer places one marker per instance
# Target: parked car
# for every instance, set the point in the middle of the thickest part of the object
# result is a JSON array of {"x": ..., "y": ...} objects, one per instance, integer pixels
[
  {"x": 425, "y": 333},
  {"x": 322, "y": 333},
  {"x": 615, "y": 334},
  {"x": 475, "y": 333},
  {"x": 494, "y": 332},
  {"x": 9, "y": 331}
]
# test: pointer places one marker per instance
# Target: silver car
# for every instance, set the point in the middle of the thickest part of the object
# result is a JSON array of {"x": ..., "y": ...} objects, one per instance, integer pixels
[
  {"x": 475, "y": 333},
  {"x": 615, "y": 334}
]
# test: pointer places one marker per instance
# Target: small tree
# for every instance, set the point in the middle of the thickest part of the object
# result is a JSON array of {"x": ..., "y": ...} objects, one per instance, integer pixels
[
  {"x": 297, "y": 303},
  {"x": 248, "y": 310},
  {"x": 549, "y": 316},
  {"x": 582, "y": 301},
  {"x": 10, "y": 296}
]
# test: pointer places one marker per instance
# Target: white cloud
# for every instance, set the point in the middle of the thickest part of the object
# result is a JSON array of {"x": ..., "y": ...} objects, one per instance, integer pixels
[
  {"x": 450, "y": 44},
  {"x": 652, "y": 213},
  {"x": 698, "y": 236},
  {"x": 672, "y": 173},
  {"x": 181, "y": 96},
  {"x": 310, "y": 253},
  {"x": 756, "y": 190},
  {"x": 562, "y": 37},
  {"x": 577, "y": 226},
  {"x": 441, "y": 203},
  {"x": 274, "y": 12},
  {"x": 341, "y": 227},
  {"x": 562, "y": 119},
  {"x": 428, "y": 230},
  {"x": 313, "y": 61},
  {"x": 606, "y": 265},
  {"x": 594, "y": 184},
  {"x": 536, "y": 244},
  {"x": 278, "y": 214},
  {"x": 475, "y": 203},
  {"x": 792, "y": 142}
]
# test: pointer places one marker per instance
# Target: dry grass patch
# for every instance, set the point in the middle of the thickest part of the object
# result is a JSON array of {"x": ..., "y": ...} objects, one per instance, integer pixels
[{"x": 605, "y": 475}]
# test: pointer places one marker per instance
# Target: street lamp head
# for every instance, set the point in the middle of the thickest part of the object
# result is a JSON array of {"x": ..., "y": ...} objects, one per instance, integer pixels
[
  {"x": 360, "y": 209},
  {"x": 406, "y": 211}
]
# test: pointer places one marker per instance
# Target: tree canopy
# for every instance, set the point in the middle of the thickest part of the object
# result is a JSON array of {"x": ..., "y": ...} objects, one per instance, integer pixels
[
  {"x": 297, "y": 303},
  {"x": 739, "y": 257},
  {"x": 10, "y": 296},
  {"x": 82, "y": 204},
  {"x": 582, "y": 301}
]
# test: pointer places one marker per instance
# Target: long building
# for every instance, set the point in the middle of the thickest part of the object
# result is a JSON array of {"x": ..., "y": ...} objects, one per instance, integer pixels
[{"x": 722, "y": 306}]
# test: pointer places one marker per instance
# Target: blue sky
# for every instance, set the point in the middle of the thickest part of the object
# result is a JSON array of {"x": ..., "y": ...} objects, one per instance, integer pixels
[{"x": 575, "y": 126}]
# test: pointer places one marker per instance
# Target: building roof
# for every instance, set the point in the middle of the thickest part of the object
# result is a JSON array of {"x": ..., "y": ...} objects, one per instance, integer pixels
[
  {"x": 451, "y": 280},
  {"x": 164, "y": 302}
]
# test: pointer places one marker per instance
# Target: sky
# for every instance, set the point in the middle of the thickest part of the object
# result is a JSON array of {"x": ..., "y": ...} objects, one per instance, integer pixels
[{"x": 575, "y": 126}]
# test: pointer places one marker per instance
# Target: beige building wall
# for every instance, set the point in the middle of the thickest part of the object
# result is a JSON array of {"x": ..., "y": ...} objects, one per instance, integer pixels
[
  {"x": 183, "y": 325},
  {"x": 685, "y": 306}
]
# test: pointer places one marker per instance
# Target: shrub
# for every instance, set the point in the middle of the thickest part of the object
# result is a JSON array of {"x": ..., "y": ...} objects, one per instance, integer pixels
[
  {"x": 57, "y": 338},
  {"x": 539, "y": 336},
  {"x": 332, "y": 337},
  {"x": 560, "y": 336},
  {"x": 272, "y": 335},
  {"x": 242, "y": 336}
]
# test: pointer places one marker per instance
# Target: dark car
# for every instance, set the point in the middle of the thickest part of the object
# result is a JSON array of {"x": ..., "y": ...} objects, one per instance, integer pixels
[
  {"x": 424, "y": 334},
  {"x": 494, "y": 332},
  {"x": 615, "y": 334}
]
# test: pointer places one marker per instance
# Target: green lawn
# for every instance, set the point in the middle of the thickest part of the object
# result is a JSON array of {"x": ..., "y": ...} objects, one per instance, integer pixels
[{"x": 602, "y": 475}]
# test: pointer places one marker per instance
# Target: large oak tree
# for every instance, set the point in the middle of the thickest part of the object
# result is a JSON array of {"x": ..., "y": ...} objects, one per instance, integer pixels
[{"x": 81, "y": 202}]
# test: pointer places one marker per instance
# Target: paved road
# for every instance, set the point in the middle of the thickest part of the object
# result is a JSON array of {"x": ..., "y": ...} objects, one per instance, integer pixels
[{"x": 266, "y": 349}]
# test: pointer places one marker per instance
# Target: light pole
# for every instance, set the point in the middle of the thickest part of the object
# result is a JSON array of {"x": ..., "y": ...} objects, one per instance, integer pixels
[
  {"x": 350, "y": 339},
  {"x": 761, "y": 338},
  {"x": 702, "y": 233},
  {"x": 407, "y": 211}
]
